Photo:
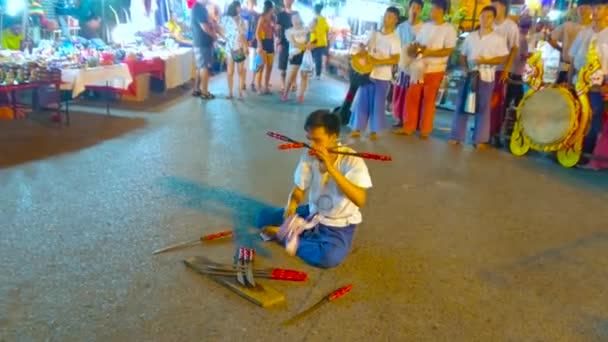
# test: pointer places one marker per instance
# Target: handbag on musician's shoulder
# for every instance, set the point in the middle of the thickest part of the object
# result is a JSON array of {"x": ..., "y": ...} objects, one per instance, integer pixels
[{"x": 470, "y": 93}]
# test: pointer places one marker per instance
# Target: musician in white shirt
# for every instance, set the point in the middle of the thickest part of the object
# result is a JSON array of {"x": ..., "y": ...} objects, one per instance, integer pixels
[
  {"x": 510, "y": 31},
  {"x": 598, "y": 33},
  {"x": 482, "y": 51},
  {"x": 564, "y": 35},
  {"x": 369, "y": 105},
  {"x": 438, "y": 39},
  {"x": 407, "y": 31}
]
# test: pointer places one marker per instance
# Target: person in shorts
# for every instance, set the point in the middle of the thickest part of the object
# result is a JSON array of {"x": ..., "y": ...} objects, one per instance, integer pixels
[
  {"x": 203, "y": 36},
  {"x": 299, "y": 43},
  {"x": 284, "y": 23},
  {"x": 265, "y": 36},
  {"x": 250, "y": 16}
]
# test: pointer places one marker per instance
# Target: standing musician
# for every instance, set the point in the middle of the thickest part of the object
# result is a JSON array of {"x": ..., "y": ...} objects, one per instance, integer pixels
[
  {"x": 438, "y": 39},
  {"x": 482, "y": 51},
  {"x": 337, "y": 187},
  {"x": 384, "y": 49},
  {"x": 597, "y": 33},
  {"x": 509, "y": 30},
  {"x": 566, "y": 33},
  {"x": 407, "y": 31}
]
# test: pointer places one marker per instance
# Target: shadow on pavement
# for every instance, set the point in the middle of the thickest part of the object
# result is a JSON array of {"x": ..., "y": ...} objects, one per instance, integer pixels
[
  {"x": 34, "y": 138},
  {"x": 238, "y": 208}
]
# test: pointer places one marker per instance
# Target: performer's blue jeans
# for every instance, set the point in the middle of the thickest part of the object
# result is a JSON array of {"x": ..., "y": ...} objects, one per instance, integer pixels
[
  {"x": 596, "y": 100},
  {"x": 322, "y": 246}
]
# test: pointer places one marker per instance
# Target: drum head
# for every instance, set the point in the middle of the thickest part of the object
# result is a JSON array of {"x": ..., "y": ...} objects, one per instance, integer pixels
[
  {"x": 362, "y": 63},
  {"x": 547, "y": 115}
]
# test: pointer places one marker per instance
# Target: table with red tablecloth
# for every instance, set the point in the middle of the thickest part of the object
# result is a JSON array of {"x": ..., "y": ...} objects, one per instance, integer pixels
[
  {"x": 10, "y": 91},
  {"x": 174, "y": 67}
]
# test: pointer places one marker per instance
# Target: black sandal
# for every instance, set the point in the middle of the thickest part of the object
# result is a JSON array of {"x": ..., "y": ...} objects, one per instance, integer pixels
[
  {"x": 197, "y": 93},
  {"x": 207, "y": 96}
]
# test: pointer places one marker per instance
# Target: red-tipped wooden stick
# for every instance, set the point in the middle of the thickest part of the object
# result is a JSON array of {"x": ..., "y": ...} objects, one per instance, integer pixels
[{"x": 292, "y": 144}]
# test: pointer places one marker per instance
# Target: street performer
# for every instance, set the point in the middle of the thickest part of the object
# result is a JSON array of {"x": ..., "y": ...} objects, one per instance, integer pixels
[
  {"x": 597, "y": 33},
  {"x": 321, "y": 232},
  {"x": 407, "y": 31},
  {"x": 482, "y": 51}
]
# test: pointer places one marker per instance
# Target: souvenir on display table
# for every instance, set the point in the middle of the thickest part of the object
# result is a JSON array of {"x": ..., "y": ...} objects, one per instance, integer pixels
[{"x": 555, "y": 118}]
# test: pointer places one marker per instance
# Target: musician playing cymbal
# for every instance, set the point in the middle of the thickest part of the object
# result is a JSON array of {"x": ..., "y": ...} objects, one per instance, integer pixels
[
  {"x": 407, "y": 31},
  {"x": 321, "y": 232},
  {"x": 437, "y": 39},
  {"x": 384, "y": 48}
]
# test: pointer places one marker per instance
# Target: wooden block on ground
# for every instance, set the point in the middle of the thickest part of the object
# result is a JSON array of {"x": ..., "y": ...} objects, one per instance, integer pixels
[{"x": 262, "y": 295}]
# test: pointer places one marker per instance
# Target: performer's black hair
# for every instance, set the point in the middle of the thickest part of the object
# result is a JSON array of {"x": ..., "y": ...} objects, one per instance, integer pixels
[
  {"x": 318, "y": 8},
  {"x": 323, "y": 118},
  {"x": 231, "y": 11},
  {"x": 503, "y": 2},
  {"x": 443, "y": 4},
  {"x": 268, "y": 6},
  {"x": 394, "y": 10},
  {"x": 419, "y": 2},
  {"x": 489, "y": 9}
]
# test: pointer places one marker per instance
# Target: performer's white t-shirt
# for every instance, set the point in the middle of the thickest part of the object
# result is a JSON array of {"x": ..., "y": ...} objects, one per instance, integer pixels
[
  {"x": 510, "y": 31},
  {"x": 435, "y": 37},
  {"x": 324, "y": 195},
  {"x": 490, "y": 45},
  {"x": 383, "y": 46}
]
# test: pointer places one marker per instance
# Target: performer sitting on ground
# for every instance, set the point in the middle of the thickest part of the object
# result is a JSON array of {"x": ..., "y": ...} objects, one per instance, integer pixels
[{"x": 337, "y": 187}]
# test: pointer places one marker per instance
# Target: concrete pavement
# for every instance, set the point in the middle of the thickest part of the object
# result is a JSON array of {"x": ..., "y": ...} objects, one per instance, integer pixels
[{"x": 456, "y": 244}]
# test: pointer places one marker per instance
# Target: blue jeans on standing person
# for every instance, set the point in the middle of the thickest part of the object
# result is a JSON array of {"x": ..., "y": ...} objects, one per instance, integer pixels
[
  {"x": 317, "y": 55},
  {"x": 596, "y": 100},
  {"x": 323, "y": 246},
  {"x": 482, "y": 115}
]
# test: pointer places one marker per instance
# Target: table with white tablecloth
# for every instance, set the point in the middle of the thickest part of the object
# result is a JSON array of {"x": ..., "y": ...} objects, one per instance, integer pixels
[
  {"x": 178, "y": 65},
  {"x": 112, "y": 76}
]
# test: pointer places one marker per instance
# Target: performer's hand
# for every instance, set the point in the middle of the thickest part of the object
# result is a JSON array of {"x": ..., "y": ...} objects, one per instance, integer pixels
[{"x": 322, "y": 154}]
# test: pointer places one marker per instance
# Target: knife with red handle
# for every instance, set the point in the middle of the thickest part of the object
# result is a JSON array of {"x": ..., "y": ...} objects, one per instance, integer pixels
[
  {"x": 204, "y": 238},
  {"x": 329, "y": 298}
]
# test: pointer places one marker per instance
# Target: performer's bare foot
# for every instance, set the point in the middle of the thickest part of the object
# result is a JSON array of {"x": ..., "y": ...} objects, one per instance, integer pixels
[
  {"x": 453, "y": 142},
  {"x": 482, "y": 146},
  {"x": 355, "y": 134},
  {"x": 401, "y": 131},
  {"x": 424, "y": 136},
  {"x": 373, "y": 136}
]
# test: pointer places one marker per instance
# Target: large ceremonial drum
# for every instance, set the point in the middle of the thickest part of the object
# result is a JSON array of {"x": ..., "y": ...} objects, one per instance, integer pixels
[
  {"x": 549, "y": 115},
  {"x": 553, "y": 118}
]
